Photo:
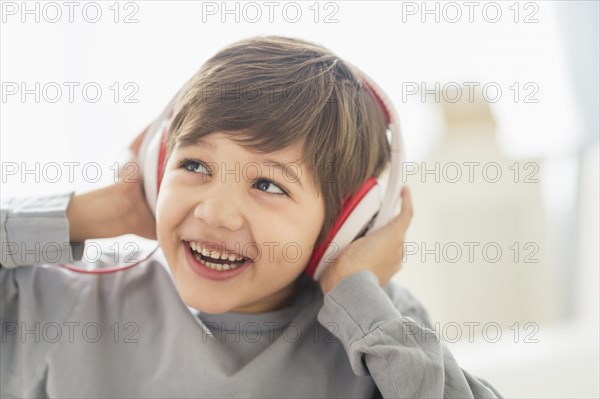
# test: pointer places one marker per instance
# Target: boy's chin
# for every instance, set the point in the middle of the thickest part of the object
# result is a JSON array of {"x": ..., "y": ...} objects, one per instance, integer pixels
[{"x": 210, "y": 307}]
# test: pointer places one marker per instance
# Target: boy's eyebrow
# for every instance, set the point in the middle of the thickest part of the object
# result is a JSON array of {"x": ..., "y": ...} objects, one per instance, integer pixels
[{"x": 290, "y": 171}]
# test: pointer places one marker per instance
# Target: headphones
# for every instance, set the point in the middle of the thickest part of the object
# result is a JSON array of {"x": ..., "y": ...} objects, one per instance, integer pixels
[
  {"x": 365, "y": 211},
  {"x": 368, "y": 209}
]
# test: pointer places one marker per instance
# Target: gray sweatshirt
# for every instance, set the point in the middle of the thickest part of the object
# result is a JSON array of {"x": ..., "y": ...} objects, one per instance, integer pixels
[{"x": 129, "y": 334}]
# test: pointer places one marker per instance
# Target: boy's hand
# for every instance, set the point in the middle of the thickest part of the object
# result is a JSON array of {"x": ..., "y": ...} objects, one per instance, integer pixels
[
  {"x": 139, "y": 220},
  {"x": 118, "y": 209},
  {"x": 380, "y": 251}
]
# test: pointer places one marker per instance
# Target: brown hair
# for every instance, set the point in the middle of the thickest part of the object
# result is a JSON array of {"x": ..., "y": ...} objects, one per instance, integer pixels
[{"x": 270, "y": 92}]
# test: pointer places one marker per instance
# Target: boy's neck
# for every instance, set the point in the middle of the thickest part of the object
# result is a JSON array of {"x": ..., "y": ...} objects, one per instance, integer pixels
[{"x": 284, "y": 298}]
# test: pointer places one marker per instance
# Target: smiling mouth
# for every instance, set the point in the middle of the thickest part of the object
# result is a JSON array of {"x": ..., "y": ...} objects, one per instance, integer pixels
[{"x": 217, "y": 264}]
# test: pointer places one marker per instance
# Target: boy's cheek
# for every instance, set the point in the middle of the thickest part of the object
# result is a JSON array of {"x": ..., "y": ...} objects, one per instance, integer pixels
[
  {"x": 167, "y": 220},
  {"x": 167, "y": 205}
]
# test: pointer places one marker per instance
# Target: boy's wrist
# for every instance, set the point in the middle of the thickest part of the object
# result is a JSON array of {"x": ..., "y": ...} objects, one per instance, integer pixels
[{"x": 332, "y": 277}]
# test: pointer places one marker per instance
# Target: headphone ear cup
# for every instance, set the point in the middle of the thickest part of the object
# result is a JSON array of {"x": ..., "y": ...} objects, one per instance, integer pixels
[
  {"x": 355, "y": 218},
  {"x": 150, "y": 162}
]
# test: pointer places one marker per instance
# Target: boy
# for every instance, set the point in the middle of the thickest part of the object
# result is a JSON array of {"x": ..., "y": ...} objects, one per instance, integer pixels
[{"x": 250, "y": 323}]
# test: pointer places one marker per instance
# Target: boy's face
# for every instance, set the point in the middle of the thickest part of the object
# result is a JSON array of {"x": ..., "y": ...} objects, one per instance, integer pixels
[{"x": 217, "y": 191}]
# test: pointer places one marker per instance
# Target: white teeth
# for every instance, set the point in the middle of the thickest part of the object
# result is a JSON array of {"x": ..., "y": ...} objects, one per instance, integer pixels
[
  {"x": 214, "y": 254},
  {"x": 215, "y": 266}
]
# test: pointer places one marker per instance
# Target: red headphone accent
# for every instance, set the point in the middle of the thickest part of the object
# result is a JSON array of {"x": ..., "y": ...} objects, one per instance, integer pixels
[
  {"x": 161, "y": 158},
  {"x": 162, "y": 152},
  {"x": 348, "y": 205},
  {"x": 108, "y": 269}
]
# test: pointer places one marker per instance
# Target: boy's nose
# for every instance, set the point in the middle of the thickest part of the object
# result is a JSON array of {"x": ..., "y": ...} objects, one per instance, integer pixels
[{"x": 218, "y": 211}]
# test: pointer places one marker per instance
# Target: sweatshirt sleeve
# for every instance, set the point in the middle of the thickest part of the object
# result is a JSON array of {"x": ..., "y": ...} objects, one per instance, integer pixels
[
  {"x": 395, "y": 344},
  {"x": 35, "y": 230}
]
